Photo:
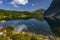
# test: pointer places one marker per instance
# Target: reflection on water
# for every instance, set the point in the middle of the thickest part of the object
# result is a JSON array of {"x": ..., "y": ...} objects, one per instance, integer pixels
[
  {"x": 31, "y": 25},
  {"x": 54, "y": 25}
]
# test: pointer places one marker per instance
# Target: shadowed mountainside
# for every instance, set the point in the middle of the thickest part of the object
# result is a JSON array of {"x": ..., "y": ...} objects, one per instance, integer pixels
[{"x": 52, "y": 16}]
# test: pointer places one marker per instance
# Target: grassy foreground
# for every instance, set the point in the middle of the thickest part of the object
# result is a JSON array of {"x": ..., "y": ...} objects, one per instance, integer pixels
[{"x": 8, "y": 33}]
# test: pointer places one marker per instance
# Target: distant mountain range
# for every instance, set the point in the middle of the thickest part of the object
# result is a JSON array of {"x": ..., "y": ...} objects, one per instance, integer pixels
[{"x": 39, "y": 11}]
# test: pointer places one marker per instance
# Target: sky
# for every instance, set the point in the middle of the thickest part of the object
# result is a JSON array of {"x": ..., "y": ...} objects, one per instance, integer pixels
[{"x": 24, "y": 5}]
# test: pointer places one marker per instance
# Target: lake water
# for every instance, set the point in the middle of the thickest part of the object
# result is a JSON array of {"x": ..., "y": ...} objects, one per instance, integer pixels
[
  {"x": 54, "y": 24},
  {"x": 31, "y": 25}
]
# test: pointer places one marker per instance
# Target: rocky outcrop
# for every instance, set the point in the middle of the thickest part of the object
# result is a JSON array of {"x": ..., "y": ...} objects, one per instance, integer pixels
[{"x": 52, "y": 16}]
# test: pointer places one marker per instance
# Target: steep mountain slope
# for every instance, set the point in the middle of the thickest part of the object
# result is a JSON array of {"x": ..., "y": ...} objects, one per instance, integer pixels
[
  {"x": 52, "y": 16},
  {"x": 54, "y": 8}
]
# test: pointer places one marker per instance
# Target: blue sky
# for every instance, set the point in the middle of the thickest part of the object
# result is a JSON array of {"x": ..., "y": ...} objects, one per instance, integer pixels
[{"x": 24, "y": 5}]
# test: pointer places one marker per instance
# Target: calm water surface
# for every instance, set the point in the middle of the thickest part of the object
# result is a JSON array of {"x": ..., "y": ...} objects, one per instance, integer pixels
[{"x": 31, "y": 25}]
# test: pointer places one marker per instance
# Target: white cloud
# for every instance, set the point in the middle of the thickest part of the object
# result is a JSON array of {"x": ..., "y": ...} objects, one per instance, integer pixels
[
  {"x": 18, "y": 2},
  {"x": 1, "y": 1}
]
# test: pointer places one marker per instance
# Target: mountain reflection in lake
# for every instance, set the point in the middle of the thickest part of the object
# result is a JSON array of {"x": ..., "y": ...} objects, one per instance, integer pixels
[
  {"x": 31, "y": 25},
  {"x": 54, "y": 25}
]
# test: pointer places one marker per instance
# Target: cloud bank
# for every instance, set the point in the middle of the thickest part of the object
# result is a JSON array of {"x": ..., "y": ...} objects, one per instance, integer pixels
[{"x": 18, "y": 2}]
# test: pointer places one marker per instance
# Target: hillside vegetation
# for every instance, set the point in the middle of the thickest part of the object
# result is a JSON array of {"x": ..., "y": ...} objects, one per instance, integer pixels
[
  {"x": 8, "y": 33},
  {"x": 14, "y": 15}
]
